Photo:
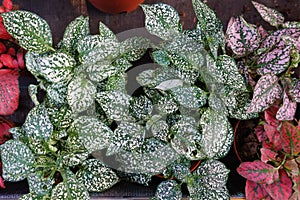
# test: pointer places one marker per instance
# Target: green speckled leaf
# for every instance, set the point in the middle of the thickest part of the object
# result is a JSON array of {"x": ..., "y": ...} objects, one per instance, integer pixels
[
  {"x": 106, "y": 33},
  {"x": 81, "y": 93},
  {"x": 92, "y": 133},
  {"x": 189, "y": 97},
  {"x": 56, "y": 67},
  {"x": 134, "y": 48},
  {"x": 70, "y": 189},
  {"x": 116, "y": 82},
  {"x": 74, "y": 32},
  {"x": 17, "y": 160},
  {"x": 60, "y": 117},
  {"x": 161, "y": 57},
  {"x": 166, "y": 105},
  {"x": 162, "y": 20},
  {"x": 32, "y": 32},
  {"x": 140, "y": 108},
  {"x": 216, "y": 134},
  {"x": 169, "y": 189},
  {"x": 30, "y": 196},
  {"x": 31, "y": 63},
  {"x": 122, "y": 64},
  {"x": 57, "y": 93},
  {"x": 88, "y": 43},
  {"x": 38, "y": 184},
  {"x": 115, "y": 104},
  {"x": 95, "y": 176},
  {"x": 145, "y": 77},
  {"x": 32, "y": 91},
  {"x": 37, "y": 124},
  {"x": 101, "y": 70},
  {"x": 127, "y": 136},
  {"x": 207, "y": 194}
]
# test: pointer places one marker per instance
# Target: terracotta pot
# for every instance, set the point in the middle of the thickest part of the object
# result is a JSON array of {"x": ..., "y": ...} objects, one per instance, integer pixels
[
  {"x": 5, "y": 125},
  {"x": 246, "y": 144},
  {"x": 194, "y": 166},
  {"x": 116, "y": 6}
]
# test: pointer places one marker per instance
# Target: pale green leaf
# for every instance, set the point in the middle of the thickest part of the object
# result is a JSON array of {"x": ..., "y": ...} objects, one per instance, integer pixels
[
  {"x": 32, "y": 32},
  {"x": 106, "y": 33}
]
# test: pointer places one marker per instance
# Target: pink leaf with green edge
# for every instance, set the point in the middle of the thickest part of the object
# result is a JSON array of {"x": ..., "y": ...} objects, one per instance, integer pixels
[
  {"x": 280, "y": 189},
  {"x": 258, "y": 171},
  {"x": 266, "y": 92},
  {"x": 9, "y": 91},
  {"x": 273, "y": 17},
  {"x": 274, "y": 137},
  {"x": 275, "y": 61},
  {"x": 242, "y": 38},
  {"x": 275, "y": 38},
  {"x": 290, "y": 138},
  {"x": 291, "y": 166},
  {"x": 256, "y": 191},
  {"x": 287, "y": 110},
  {"x": 267, "y": 155},
  {"x": 295, "y": 91}
]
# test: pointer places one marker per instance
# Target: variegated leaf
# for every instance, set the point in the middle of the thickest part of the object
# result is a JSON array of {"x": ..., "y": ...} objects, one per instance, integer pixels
[
  {"x": 30, "y": 196},
  {"x": 122, "y": 64},
  {"x": 275, "y": 61},
  {"x": 295, "y": 91},
  {"x": 116, "y": 82},
  {"x": 32, "y": 91},
  {"x": 266, "y": 92},
  {"x": 242, "y": 38},
  {"x": 287, "y": 110},
  {"x": 101, "y": 70},
  {"x": 145, "y": 77},
  {"x": 81, "y": 93},
  {"x": 161, "y": 57},
  {"x": 291, "y": 24},
  {"x": 255, "y": 191},
  {"x": 75, "y": 31},
  {"x": 95, "y": 176},
  {"x": 32, "y": 32},
  {"x": 216, "y": 134},
  {"x": 56, "y": 67},
  {"x": 127, "y": 136},
  {"x": 17, "y": 160},
  {"x": 151, "y": 158},
  {"x": 290, "y": 137},
  {"x": 169, "y": 84},
  {"x": 140, "y": 108},
  {"x": 57, "y": 94},
  {"x": 88, "y": 43},
  {"x": 32, "y": 65},
  {"x": 39, "y": 184},
  {"x": 270, "y": 15},
  {"x": 92, "y": 133},
  {"x": 189, "y": 97},
  {"x": 70, "y": 189},
  {"x": 61, "y": 117},
  {"x": 115, "y": 104},
  {"x": 207, "y": 194},
  {"x": 161, "y": 20},
  {"x": 37, "y": 124},
  {"x": 134, "y": 48},
  {"x": 166, "y": 105},
  {"x": 168, "y": 190},
  {"x": 106, "y": 33}
]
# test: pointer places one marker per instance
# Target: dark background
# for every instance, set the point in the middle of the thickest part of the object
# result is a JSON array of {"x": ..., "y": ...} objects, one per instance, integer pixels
[{"x": 59, "y": 13}]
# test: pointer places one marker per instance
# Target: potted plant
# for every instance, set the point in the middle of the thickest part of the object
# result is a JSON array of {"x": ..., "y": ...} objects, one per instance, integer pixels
[
  {"x": 89, "y": 131},
  {"x": 276, "y": 174},
  {"x": 116, "y": 6}
]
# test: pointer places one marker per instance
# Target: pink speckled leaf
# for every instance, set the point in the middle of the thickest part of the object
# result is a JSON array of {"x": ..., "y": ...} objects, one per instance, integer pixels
[
  {"x": 266, "y": 92},
  {"x": 267, "y": 155},
  {"x": 295, "y": 90},
  {"x": 280, "y": 189},
  {"x": 258, "y": 172},
  {"x": 287, "y": 110},
  {"x": 275, "y": 61},
  {"x": 292, "y": 168},
  {"x": 256, "y": 191},
  {"x": 290, "y": 138},
  {"x": 270, "y": 115},
  {"x": 274, "y": 137},
  {"x": 9, "y": 91},
  {"x": 270, "y": 15},
  {"x": 242, "y": 38},
  {"x": 296, "y": 188}
]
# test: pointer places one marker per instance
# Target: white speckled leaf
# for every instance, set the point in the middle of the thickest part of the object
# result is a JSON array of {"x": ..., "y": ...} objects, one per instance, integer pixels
[
  {"x": 266, "y": 92},
  {"x": 116, "y": 82},
  {"x": 275, "y": 61},
  {"x": 56, "y": 67},
  {"x": 161, "y": 20},
  {"x": 145, "y": 77},
  {"x": 32, "y": 65},
  {"x": 101, "y": 70},
  {"x": 57, "y": 93},
  {"x": 32, "y": 91},
  {"x": 70, "y": 189},
  {"x": 39, "y": 184},
  {"x": 134, "y": 48},
  {"x": 207, "y": 194},
  {"x": 140, "y": 108},
  {"x": 270, "y": 15},
  {"x": 115, "y": 104},
  {"x": 295, "y": 91},
  {"x": 32, "y": 32},
  {"x": 216, "y": 135},
  {"x": 92, "y": 133},
  {"x": 127, "y": 136},
  {"x": 95, "y": 176},
  {"x": 122, "y": 64},
  {"x": 287, "y": 110},
  {"x": 81, "y": 93},
  {"x": 74, "y": 32},
  {"x": 189, "y": 97},
  {"x": 169, "y": 84},
  {"x": 30, "y": 196},
  {"x": 17, "y": 160},
  {"x": 37, "y": 124},
  {"x": 88, "y": 43},
  {"x": 168, "y": 190},
  {"x": 106, "y": 33}
]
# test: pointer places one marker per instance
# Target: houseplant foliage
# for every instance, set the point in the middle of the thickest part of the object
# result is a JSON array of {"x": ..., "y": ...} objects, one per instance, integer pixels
[
  {"x": 276, "y": 174},
  {"x": 268, "y": 60},
  {"x": 87, "y": 114}
]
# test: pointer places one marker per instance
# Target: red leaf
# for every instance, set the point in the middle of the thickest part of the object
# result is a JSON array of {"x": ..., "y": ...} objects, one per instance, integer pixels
[
  {"x": 267, "y": 155},
  {"x": 256, "y": 191},
  {"x": 258, "y": 171},
  {"x": 7, "y": 60},
  {"x": 280, "y": 189},
  {"x": 270, "y": 115},
  {"x": 290, "y": 138},
  {"x": 8, "y": 5},
  {"x": 20, "y": 58},
  {"x": 2, "y": 183},
  {"x": 3, "y": 48},
  {"x": 9, "y": 91},
  {"x": 11, "y": 51},
  {"x": 292, "y": 167},
  {"x": 4, "y": 131},
  {"x": 273, "y": 136},
  {"x": 3, "y": 33}
]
